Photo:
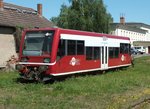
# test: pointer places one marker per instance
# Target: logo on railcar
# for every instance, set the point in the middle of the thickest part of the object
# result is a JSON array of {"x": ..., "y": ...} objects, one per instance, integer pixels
[
  {"x": 105, "y": 38},
  {"x": 74, "y": 61},
  {"x": 123, "y": 58}
]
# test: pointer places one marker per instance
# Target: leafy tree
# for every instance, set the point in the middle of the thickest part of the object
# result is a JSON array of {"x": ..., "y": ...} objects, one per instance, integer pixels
[
  {"x": 61, "y": 20},
  {"x": 88, "y": 15}
]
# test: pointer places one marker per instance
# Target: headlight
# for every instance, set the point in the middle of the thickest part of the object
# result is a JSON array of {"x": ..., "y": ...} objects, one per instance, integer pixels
[{"x": 46, "y": 60}]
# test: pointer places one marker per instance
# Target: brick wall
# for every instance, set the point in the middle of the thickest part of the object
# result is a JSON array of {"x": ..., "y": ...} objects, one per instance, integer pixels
[{"x": 7, "y": 48}]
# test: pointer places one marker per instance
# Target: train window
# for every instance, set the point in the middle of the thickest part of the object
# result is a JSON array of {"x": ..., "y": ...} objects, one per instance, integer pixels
[
  {"x": 89, "y": 53},
  {"x": 124, "y": 48},
  {"x": 71, "y": 47},
  {"x": 80, "y": 47},
  {"x": 106, "y": 55},
  {"x": 116, "y": 54},
  {"x": 96, "y": 53},
  {"x": 61, "y": 49},
  {"x": 113, "y": 52},
  {"x": 121, "y": 48},
  {"x": 102, "y": 55}
]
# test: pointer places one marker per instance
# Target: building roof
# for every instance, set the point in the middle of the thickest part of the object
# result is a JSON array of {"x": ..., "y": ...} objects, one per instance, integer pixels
[
  {"x": 127, "y": 27},
  {"x": 138, "y": 25},
  {"x": 13, "y": 15}
]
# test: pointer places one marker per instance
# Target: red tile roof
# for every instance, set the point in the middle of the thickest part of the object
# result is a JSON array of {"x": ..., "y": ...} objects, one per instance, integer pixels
[{"x": 13, "y": 15}]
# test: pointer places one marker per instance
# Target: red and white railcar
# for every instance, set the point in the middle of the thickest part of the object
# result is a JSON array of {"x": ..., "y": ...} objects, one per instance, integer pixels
[{"x": 49, "y": 52}]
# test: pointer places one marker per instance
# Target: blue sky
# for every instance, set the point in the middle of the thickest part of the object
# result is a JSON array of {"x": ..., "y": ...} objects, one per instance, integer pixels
[{"x": 133, "y": 10}]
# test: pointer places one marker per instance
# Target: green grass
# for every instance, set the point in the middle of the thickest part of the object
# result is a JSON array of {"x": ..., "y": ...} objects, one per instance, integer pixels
[{"x": 113, "y": 90}]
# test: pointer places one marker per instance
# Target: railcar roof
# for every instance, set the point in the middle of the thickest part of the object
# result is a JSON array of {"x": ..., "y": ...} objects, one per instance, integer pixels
[{"x": 79, "y": 32}]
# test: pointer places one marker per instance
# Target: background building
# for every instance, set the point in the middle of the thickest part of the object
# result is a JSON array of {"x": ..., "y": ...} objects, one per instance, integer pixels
[
  {"x": 139, "y": 33},
  {"x": 13, "y": 19}
]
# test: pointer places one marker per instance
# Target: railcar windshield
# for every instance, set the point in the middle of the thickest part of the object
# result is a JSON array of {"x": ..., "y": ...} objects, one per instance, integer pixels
[{"x": 38, "y": 43}]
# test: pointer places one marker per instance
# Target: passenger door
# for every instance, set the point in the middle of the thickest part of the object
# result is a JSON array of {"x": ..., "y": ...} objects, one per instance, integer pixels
[{"x": 104, "y": 54}]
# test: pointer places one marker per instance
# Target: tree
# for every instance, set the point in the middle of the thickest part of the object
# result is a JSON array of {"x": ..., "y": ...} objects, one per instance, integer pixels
[
  {"x": 88, "y": 15},
  {"x": 61, "y": 20}
]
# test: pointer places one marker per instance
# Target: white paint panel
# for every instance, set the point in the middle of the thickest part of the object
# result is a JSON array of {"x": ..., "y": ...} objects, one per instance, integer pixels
[
  {"x": 74, "y": 37},
  {"x": 95, "y": 41},
  {"x": 35, "y": 63}
]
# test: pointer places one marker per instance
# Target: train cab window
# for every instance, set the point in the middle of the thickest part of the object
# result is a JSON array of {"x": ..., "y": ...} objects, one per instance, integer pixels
[
  {"x": 71, "y": 45},
  {"x": 80, "y": 47}
]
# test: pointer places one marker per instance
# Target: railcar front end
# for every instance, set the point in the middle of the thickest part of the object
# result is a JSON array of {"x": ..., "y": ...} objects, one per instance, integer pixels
[{"x": 35, "y": 57}]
